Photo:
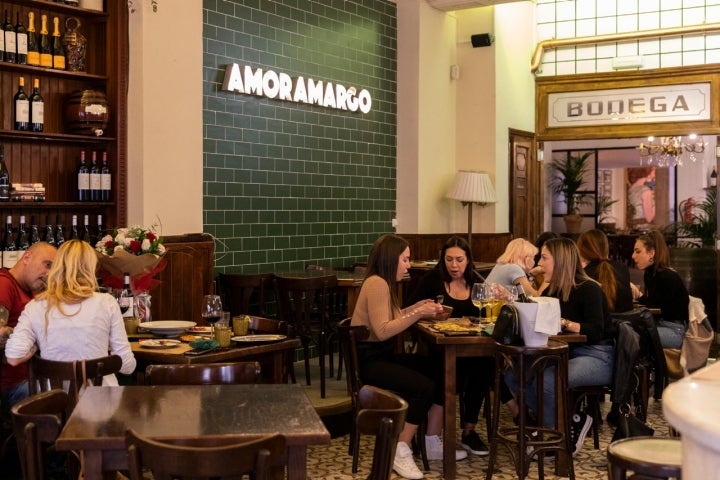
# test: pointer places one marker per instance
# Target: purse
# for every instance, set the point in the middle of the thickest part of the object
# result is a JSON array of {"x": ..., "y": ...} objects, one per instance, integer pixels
[
  {"x": 631, "y": 426},
  {"x": 507, "y": 326}
]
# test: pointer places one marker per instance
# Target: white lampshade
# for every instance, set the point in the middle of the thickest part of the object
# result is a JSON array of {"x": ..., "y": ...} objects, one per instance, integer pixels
[{"x": 472, "y": 187}]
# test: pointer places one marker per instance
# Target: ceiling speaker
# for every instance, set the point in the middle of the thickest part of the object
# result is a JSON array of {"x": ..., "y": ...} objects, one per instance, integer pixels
[{"x": 481, "y": 40}]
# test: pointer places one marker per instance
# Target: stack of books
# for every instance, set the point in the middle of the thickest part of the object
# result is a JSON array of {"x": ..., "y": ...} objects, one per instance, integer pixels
[{"x": 27, "y": 192}]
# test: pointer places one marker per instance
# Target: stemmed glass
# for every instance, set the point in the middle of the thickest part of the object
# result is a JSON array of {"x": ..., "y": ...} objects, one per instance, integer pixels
[
  {"x": 478, "y": 296},
  {"x": 212, "y": 310}
]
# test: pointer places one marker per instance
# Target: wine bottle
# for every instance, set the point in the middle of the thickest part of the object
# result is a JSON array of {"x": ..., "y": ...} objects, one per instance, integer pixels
[
  {"x": 72, "y": 3},
  {"x": 59, "y": 236},
  {"x": 23, "y": 242},
  {"x": 46, "y": 59},
  {"x": 713, "y": 177},
  {"x": 86, "y": 235},
  {"x": 33, "y": 48},
  {"x": 21, "y": 39},
  {"x": 83, "y": 179},
  {"x": 37, "y": 108},
  {"x": 9, "y": 254},
  {"x": 22, "y": 107},
  {"x": 105, "y": 179},
  {"x": 125, "y": 298},
  {"x": 58, "y": 50},
  {"x": 100, "y": 228},
  {"x": 521, "y": 295},
  {"x": 94, "y": 179},
  {"x": 74, "y": 229},
  {"x": 34, "y": 232},
  {"x": 2, "y": 42},
  {"x": 4, "y": 177},
  {"x": 10, "y": 39},
  {"x": 49, "y": 235}
]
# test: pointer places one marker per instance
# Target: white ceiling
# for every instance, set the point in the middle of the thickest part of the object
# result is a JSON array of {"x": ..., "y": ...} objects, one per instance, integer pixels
[{"x": 448, "y": 5}]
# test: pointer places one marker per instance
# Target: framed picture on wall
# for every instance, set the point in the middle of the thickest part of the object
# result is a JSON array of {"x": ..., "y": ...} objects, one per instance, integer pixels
[{"x": 650, "y": 198}]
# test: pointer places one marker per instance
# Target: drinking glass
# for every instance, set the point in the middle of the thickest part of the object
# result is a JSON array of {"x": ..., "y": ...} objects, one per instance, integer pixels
[
  {"x": 478, "y": 297},
  {"x": 212, "y": 310}
]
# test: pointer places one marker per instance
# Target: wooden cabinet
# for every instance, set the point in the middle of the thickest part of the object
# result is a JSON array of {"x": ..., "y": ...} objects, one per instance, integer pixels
[{"x": 52, "y": 157}]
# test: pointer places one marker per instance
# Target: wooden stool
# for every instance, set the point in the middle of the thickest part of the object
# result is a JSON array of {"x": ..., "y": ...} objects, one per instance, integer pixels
[
  {"x": 649, "y": 457},
  {"x": 526, "y": 362}
]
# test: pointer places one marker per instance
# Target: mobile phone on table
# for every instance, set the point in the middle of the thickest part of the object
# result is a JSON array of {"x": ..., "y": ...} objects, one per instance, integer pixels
[{"x": 198, "y": 351}]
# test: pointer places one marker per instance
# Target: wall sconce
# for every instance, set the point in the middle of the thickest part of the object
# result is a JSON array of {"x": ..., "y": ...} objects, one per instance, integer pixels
[{"x": 472, "y": 187}]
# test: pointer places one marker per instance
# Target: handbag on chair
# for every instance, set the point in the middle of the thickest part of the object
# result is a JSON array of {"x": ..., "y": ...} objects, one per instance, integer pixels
[
  {"x": 630, "y": 426},
  {"x": 507, "y": 326}
]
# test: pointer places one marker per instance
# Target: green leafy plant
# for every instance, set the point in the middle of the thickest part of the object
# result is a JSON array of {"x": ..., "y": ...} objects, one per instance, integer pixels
[
  {"x": 702, "y": 221},
  {"x": 603, "y": 206},
  {"x": 569, "y": 179}
]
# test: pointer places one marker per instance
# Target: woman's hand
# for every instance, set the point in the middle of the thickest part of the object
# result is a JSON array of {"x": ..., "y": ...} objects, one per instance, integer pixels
[
  {"x": 424, "y": 309},
  {"x": 636, "y": 292}
]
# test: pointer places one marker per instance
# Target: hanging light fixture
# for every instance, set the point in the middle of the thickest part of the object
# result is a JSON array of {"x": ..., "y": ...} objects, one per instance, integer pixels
[{"x": 670, "y": 151}]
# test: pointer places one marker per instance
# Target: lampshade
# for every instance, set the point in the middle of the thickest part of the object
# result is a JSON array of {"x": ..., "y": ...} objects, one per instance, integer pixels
[{"x": 472, "y": 187}]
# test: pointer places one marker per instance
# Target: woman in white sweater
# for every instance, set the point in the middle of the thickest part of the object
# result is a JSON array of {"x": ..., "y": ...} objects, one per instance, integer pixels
[{"x": 71, "y": 320}]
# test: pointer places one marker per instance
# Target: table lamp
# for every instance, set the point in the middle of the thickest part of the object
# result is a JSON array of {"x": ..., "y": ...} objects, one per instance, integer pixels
[{"x": 472, "y": 187}]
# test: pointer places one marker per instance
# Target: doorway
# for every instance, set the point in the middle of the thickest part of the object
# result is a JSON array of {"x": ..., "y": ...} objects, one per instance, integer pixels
[{"x": 526, "y": 186}]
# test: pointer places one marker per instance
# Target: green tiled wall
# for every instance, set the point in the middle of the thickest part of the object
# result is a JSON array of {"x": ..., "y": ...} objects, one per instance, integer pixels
[{"x": 287, "y": 184}]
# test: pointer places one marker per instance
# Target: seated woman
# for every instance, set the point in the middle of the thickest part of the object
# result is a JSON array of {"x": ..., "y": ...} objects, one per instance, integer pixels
[
  {"x": 664, "y": 289},
  {"x": 452, "y": 279},
  {"x": 416, "y": 378},
  {"x": 514, "y": 264},
  {"x": 584, "y": 310},
  {"x": 71, "y": 320},
  {"x": 613, "y": 276}
]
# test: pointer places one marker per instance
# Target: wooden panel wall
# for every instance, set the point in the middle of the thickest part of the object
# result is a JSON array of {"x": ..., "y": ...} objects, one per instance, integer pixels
[
  {"x": 188, "y": 276},
  {"x": 486, "y": 247}
]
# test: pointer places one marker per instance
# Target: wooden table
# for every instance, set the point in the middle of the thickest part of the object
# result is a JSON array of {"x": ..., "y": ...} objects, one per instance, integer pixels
[
  {"x": 242, "y": 412},
  {"x": 463, "y": 346},
  {"x": 270, "y": 355}
]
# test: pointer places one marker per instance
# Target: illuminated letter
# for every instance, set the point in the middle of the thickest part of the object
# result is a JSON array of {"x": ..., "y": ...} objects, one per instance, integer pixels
[
  {"x": 233, "y": 79},
  {"x": 315, "y": 91},
  {"x": 285, "y": 87},
  {"x": 365, "y": 101},
  {"x": 341, "y": 97},
  {"x": 253, "y": 81},
  {"x": 271, "y": 84},
  {"x": 329, "y": 98},
  {"x": 300, "y": 92},
  {"x": 352, "y": 101}
]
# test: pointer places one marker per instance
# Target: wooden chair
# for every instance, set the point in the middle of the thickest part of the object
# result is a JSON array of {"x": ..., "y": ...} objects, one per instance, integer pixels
[
  {"x": 245, "y": 294},
  {"x": 304, "y": 304},
  {"x": 381, "y": 414},
  {"x": 37, "y": 421},
  {"x": 262, "y": 458},
  {"x": 71, "y": 377},
  {"x": 203, "y": 373},
  {"x": 281, "y": 327}
]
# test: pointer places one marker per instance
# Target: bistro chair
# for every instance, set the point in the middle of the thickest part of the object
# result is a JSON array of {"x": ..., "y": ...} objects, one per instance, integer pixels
[
  {"x": 245, "y": 294},
  {"x": 274, "y": 327},
  {"x": 651, "y": 458},
  {"x": 304, "y": 304},
  {"x": 381, "y": 414},
  {"x": 71, "y": 377},
  {"x": 37, "y": 421},
  {"x": 203, "y": 373},
  {"x": 218, "y": 459}
]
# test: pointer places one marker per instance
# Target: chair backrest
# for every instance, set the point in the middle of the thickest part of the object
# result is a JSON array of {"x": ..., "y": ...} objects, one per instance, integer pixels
[
  {"x": 270, "y": 325},
  {"x": 200, "y": 459},
  {"x": 71, "y": 377},
  {"x": 203, "y": 373},
  {"x": 37, "y": 421},
  {"x": 238, "y": 291},
  {"x": 349, "y": 338},
  {"x": 382, "y": 414},
  {"x": 304, "y": 301}
]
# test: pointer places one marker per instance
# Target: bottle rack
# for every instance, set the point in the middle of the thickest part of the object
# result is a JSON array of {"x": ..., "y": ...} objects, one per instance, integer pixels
[{"x": 52, "y": 157}]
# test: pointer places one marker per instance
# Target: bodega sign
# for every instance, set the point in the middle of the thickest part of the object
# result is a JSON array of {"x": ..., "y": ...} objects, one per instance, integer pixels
[
  {"x": 666, "y": 103},
  {"x": 281, "y": 86}
]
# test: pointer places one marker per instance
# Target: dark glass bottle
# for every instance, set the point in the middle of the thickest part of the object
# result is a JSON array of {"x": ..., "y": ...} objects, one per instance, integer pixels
[
  {"x": 85, "y": 235},
  {"x": 100, "y": 228},
  {"x": 4, "y": 177},
  {"x": 49, "y": 235},
  {"x": 83, "y": 179},
  {"x": 21, "y": 40},
  {"x": 58, "y": 50},
  {"x": 34, "y": 231},
  {"x": 37, "y": 108},
  {"x": 10, "y": 39},
  {"x": 22, "y": 107},
  {"x": 74, "y": 229},
  {"x": 521, "y": 295},
  {"x": 9, "y": 255},
  {"x": 125, "y": 299},
  {"x": 46, "y": 57},
  {"x": 33, "y": 46},
  {"x": 59, "y": 235},
  {"x": 23, "y": 241},
  {"x": 94, "y": 179},
  {"x": 105, "y": 179}
]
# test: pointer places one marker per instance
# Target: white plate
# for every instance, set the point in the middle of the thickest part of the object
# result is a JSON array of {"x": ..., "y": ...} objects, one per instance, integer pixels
[
  {"x": 199, "y": 329},
  {"x": 258, "y": 338},
  {"x": 163, "y": 343},
  {"x": 167, "y": 328}
]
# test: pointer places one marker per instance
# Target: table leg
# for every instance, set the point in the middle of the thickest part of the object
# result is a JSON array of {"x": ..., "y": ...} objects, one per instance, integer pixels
[
  {"x": 296, "y": 462},
  {"x": 449, "y": 422},
  {"x": 92, "y": 464}
]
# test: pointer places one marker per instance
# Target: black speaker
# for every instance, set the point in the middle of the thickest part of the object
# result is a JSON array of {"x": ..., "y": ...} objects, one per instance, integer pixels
[{"x": 481, "y": 40}]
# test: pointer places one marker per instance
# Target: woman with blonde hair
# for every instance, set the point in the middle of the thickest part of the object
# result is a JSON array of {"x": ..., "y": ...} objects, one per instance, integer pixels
[
  {"x": 70, "y": 320},
  {"x": 513, "y": 265},
  {"x": 614, "y": 276}
]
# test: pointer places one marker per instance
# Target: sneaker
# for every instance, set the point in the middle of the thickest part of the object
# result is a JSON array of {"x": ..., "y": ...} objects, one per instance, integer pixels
[
  {"x": 473, "y": 444},
  {"x": 434, "y": 447},
  {"x": 404, "y": 463},
  {"x": 581, "y": 423}
]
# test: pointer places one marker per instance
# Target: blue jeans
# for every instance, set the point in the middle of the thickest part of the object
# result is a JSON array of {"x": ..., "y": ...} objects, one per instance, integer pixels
[
  {"x": 671, "y": 333},
  {"x": 588, "y": 365},
  {"x": 13, "y": 395}
]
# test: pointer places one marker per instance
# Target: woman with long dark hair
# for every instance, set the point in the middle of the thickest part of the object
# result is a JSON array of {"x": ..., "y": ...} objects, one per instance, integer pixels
[{"x": 613, "y": 276}]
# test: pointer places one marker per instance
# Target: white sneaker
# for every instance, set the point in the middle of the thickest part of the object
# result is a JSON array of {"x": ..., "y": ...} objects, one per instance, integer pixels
[
  {"x": 404, "y": 463},
  {"x": 434, "y": 447}
]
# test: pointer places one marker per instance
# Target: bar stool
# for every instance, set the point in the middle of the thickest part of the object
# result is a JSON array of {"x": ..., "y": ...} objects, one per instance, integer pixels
[
  {"x": 646, "y": 457},
  {"x": 524, "y": 441}
]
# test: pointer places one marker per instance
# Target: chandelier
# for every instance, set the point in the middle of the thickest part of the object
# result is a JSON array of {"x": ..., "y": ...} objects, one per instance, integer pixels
[{"x": 670, "y": 151}]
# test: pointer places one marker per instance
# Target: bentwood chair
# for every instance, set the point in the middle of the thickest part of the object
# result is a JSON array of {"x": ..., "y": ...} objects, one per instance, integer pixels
[
  {"x": 37, "y": 421},
  {"x": 203, "y": 373},
  {"x": 274, "y": 327},
  {"x": 245, "y": 294},
  {"x": 261, "y": 458}
]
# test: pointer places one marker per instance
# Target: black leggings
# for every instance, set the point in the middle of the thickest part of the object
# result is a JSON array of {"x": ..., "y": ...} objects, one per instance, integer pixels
[{"x": 475, "y": 376}]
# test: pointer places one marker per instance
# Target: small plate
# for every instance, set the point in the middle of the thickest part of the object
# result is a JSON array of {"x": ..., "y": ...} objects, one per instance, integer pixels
[
  {"x": 258, "y": 338},
  {"x": 199, "y": 329},
  {"x": 159, "y": 343},
  {"x": 167, "y": 328}
]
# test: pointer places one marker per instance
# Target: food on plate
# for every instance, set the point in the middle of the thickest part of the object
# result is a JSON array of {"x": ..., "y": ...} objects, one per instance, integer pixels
[
  {"x": 460, "y": 325},
  {"x": 188, "y": 338},
  {"x": 198, "y": 328}
]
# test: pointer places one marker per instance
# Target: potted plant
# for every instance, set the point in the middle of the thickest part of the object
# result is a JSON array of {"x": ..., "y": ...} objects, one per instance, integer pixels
[
  {"x": 699, "y": 221},
  {"x": 568, "y": 180},
  {"x": 603, "y": 206}
]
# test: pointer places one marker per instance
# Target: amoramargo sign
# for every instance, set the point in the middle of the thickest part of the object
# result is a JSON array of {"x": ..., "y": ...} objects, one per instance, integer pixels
[{"x": 281, "y": 86}]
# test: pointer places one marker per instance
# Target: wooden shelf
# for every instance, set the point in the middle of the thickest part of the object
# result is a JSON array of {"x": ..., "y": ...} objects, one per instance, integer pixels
[
  {"x": 58, "y": 8},
  {"x": 53, "y": 137}
]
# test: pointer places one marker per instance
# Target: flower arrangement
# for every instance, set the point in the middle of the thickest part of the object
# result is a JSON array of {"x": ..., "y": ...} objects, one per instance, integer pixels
[{"x": 136, "y": 250}]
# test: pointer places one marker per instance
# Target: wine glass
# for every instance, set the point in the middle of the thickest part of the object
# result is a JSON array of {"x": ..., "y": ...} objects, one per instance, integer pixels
[
  {"x": 212, "y": 310},
  {"x": 479, "y": 298}
]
